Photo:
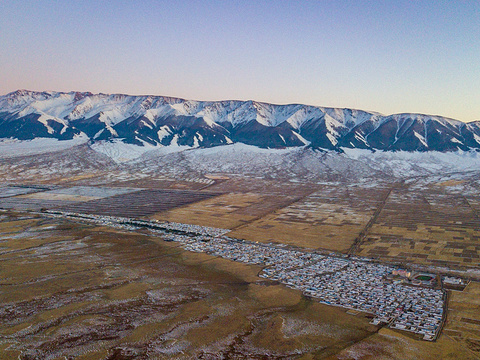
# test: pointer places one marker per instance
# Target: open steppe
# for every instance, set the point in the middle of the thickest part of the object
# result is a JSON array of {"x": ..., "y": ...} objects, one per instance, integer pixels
[
  {"x": 72, "y": 289},
  {"x": 86, "y": 292}
]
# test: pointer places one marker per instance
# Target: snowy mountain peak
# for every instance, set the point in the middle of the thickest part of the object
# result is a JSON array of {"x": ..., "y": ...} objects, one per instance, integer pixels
[{"x": 158, "y": 120}]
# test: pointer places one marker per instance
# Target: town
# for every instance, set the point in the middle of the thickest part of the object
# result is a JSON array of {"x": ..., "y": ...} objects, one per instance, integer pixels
[{"x": 354, "y": 283}]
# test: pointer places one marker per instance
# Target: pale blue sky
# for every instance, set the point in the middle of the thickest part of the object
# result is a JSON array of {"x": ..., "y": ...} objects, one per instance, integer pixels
[{"x": 386, "y": 56}]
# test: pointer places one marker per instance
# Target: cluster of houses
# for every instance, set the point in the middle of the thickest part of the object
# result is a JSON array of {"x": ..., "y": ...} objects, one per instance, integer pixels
[
  {"x": 364, "y": 286},
  {"x": 353, "y": 283},
  {"x": 350, "y": 283},
  {"x": 132, "y": 223}
]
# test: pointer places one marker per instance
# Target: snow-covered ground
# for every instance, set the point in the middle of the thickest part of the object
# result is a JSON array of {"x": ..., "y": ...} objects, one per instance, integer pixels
[
  {"x": 120, "y": 152},
  {"x": 12, "y": 147},
  {"x": 297, "y": 163},
  {"x": 405, "y": 163}
]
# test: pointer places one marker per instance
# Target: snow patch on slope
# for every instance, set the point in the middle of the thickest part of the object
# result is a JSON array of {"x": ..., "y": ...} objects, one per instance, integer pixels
[
  {"x": 332, "y": 139},
  {"x": 120, "y": 152},
  {"x": 477, "y": 138},
  {"x": 301, "y": 138},
  {"x": 421, "y": 138},
  {"x": 12, "y": 147},
  {"x": 406, "y": 163},
  {"x": 240, "y": 148},
  {"x": 163, "y": 132}
]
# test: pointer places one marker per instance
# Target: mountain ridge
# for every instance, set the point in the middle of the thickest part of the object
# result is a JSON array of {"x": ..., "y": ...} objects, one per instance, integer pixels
[{"x": 164, "y": 121}]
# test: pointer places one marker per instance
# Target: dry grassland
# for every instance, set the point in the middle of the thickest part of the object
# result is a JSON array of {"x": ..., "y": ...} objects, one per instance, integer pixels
[
  {"x": 388, "y": 344},
  {"x": 463, "y": 320},
  {"x": 95, "y": 293}
]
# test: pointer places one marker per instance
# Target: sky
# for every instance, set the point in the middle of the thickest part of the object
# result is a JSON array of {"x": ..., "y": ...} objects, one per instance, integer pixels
[{"x": 387, "y": 56}]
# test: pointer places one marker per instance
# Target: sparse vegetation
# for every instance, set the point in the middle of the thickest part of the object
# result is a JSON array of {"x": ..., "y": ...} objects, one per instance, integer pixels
[{"x": 96, "y": 292}]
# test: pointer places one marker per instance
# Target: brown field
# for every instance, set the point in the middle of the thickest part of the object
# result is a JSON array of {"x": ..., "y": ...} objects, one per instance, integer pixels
[
  {"x": 330, "y": 218},
  {"x": 264, "y": 187},
  {"x": 226, "y": 211},
  {"x": 139, "y": 203},
  {"x": 274, "y": 230},
  {"x": 425, "y": 227},
  {"x": 53, "y": 196},
  {"x": 450, "y": 183},
  {"x": 195, "y": 184},
  {"x": 463, "y": 321},
  {"x": 388, "y": 344},
  {"x": 36, "y": 178}
]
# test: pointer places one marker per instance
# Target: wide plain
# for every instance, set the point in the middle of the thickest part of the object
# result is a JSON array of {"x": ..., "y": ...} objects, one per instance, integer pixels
[{"x": 69, "y": 289}]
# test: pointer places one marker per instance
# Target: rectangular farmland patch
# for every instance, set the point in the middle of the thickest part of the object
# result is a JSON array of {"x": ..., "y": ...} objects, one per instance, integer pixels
[
  {"x": 18, "y": 203},
  {"x": 139, "y": 203},
  {"x": 79, "y": 193},
  {"x": 9, "y": 191}
]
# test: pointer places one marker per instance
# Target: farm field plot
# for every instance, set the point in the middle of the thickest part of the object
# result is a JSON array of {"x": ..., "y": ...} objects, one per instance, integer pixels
[
  {"x": 463, "y": 322},
  {"x": 264, "y": 187},
  {"x": 55, "y": 196},
  {"x": 78, "y": 193},
  {"x": 139, "y": 203},
  {"x": 134, "y": 178},
  {"x": 474, "y": 204},
  {"x": 39, "y": 198},
  {"x": 155, "y": 183},
  {"x": 18, "y": 203},
  {"x": 9, "y": 191},
  {"x": 330, "y": 218},
  {"x": 425, "y": 227},
  {"x": 226, "y": 211}
]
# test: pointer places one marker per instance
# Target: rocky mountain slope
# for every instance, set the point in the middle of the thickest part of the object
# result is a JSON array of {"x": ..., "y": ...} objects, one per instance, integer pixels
[{"x": 158, "y": 120}]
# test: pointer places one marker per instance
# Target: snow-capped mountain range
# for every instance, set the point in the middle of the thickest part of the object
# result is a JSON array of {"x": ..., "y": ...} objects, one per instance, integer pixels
[{"x": 163, "y": 121}]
